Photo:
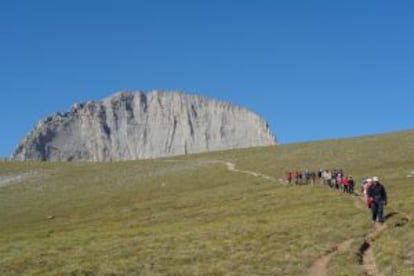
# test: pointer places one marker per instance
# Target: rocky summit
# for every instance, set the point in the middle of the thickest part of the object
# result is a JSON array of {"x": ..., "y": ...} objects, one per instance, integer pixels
[{"x": 134, "y": 125}]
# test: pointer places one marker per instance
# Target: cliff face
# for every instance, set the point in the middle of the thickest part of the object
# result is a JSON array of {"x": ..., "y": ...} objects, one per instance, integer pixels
[{"x": 128, "y": 126}]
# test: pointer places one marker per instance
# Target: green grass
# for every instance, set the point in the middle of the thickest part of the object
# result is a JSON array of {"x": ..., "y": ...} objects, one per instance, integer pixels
[{"x": 190, "y": 216}]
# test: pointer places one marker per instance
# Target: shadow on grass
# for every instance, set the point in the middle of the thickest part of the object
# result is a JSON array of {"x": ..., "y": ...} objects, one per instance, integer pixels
[
  {"x": 361, "y": 251},
  {"x": 390, "y": 215}
]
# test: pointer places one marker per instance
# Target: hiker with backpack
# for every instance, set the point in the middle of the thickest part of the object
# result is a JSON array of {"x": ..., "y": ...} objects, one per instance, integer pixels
[{"x": 379, "y": 199}]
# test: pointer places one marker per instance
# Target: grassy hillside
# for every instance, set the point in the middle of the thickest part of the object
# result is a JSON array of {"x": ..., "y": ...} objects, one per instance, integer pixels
[{"x": 192, "y": 216}]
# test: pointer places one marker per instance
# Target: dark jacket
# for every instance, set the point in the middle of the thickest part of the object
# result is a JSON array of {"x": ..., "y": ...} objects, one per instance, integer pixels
[{"x": 377, "y": 192}]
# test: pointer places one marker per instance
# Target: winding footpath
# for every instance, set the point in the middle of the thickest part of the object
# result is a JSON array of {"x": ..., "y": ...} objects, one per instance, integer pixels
[
  {"x": 232, "y": 167},
  {"x": 320, "y": 266},
  {"x": 365, "y": 254},
  {"x": 11, "y": 179}
]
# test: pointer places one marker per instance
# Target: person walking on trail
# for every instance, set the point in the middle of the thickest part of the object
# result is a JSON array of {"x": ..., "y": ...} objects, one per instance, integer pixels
[
  {"x": 289, "y": 176},
  {"x": 313, "y": 176},
  {"x": 351, "y": 184},
  {"x": 365, "y": 188},
  {"x": 379, "y": 200},
  {"x": 345, "y": 183},
  {"x": 297, "y": 177}
]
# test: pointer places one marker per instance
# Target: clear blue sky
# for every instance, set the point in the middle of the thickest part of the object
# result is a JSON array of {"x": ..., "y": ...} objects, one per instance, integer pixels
[{"x": 313, "y": 69}]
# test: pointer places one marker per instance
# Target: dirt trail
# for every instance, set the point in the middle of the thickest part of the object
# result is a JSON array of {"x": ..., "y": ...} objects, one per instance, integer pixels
[
  {"x": 365, "y": 254},
  {"x": 369, "y": 266},
  {"x": 320, "y": 266},
  {"x": 11, "y": 179},
  {"x": 232, "y": 167}
]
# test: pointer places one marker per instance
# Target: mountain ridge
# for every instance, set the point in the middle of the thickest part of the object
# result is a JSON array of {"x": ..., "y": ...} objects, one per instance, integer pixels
[{"x": 133, "y": 125}]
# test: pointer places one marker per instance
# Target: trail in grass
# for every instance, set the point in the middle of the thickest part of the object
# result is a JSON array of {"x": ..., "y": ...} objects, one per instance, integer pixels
[
  {"x": 367, "y": 261},
  {"x": 320, "y": 266},
  {"x": 11, "y": 179},
  {"x": 365, "y": 254},
  {"x": 232, "y": 167}
]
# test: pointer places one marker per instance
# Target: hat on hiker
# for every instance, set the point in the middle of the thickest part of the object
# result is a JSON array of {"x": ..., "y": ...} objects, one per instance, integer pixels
[
  {"x": 369, "y": 180},
  {"x": 375, "y": 179}
]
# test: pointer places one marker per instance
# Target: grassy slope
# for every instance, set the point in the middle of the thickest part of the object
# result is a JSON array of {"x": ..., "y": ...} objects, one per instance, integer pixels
[{"x": 192, "y": 216}]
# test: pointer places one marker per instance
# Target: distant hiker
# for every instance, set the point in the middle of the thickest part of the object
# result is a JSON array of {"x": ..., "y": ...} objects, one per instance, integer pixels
[
  {"x": 324, "y": 176},
  {"x": 313, "y": 176},
  {"x": 306, "y": 176},
  {"x": 328, "y": 178},
  {"x": 289, "y": 176},
  {"x": 320, "y": 174},
  {"x": 345, "y": 185},
  {"x": 339, "y": 181},
  {"x": 333, "y": 181},
  {"x": 379, "y": 199},
  {"x": 351, "y": 184}
]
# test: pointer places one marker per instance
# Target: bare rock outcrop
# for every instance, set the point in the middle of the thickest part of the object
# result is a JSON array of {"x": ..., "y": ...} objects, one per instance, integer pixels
[{"x": 133, "y": 125}]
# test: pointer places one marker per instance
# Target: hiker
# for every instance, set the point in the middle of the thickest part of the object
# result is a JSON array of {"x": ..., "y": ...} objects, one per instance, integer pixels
[
  {"x": 328, "y": 177},
  {"x": 297, "y": 176},
  {"x": 345, "y": 184},
  {"x": 324, "y": 176},
  {"x": 306, "y": 176},
  {"x": 320, "y": 174},
  {"x": 339, "y": 181},
  {"x": 313, "y": 176},
  {"x": 365, "y": 187},
  {"x": 351, "y": 184},
  {"x": 333, "y": 181},
  {"x": 289, "y": 176},
  {"x": 379, "y": 199}
]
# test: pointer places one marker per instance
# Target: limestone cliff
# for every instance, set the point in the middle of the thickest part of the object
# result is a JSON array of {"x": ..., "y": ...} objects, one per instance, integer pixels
[{"x": 128, "y": 126}]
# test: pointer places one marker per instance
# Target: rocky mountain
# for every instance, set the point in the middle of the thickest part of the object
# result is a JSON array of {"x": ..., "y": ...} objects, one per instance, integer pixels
[{"x": 128, "y": 126}]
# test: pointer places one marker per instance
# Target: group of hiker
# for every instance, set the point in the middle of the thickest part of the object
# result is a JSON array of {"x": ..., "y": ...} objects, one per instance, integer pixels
[
  {"x": 301, "y": 177},
  {"x": 337, "y": 179},
  {"x": 373, "y": 191}
]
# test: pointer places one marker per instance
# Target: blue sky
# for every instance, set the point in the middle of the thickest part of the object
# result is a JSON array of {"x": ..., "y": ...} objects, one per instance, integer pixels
[{"x": 313, "y": 69}]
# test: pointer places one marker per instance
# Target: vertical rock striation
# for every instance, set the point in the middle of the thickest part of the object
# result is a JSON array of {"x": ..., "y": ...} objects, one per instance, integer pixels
[{"x": 128, "y": 126}]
